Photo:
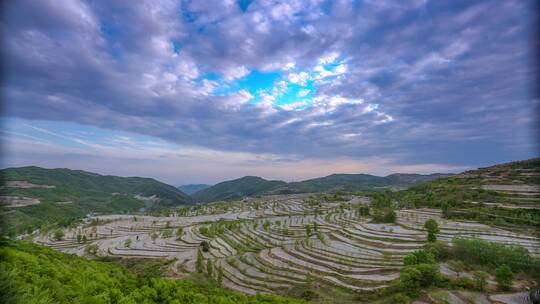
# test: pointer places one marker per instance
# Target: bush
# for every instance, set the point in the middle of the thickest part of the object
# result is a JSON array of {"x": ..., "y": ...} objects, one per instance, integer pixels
[
  {"x": 387, "y": 215},
  {"x": 204, "y": 245},
  {"x": 410, "y": 259},
  {"x": 412, "y": 278},
  {"x": 463, "y": 282},
  {"x": 480, "y": 279},
  {"x": 363, "y": 210},
  {"x": 409, "y": 280},
  {"x": 432, "y": 228},
  {"x": 418, "y": 257},
  {"x": 492, "y": 255},
  {"x": 441, "y": 251},
  {"x": 504, "y": 277},
  {"x": 430, "y": 274},
  {"x": 58, "y": 234}
]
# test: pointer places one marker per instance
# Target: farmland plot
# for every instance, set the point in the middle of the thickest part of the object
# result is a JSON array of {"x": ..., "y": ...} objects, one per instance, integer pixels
[{"x": 272, "y": 244}]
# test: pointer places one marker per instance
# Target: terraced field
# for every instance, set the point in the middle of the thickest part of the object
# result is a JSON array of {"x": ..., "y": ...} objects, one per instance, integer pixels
[{"x": 275, "y": 243}]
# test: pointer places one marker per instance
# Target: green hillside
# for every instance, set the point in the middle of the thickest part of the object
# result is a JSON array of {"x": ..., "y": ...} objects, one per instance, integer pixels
[
  {"x": 505, "y": 194},
  {"x": 34, "y": 274},
  {"x": 358, "y": 182},
  {"x": 251, "y": 185},
  {"x": 192, "y": 188},
  {"x": 235, "y": 189},
  {"x": 63, "y": 195}
]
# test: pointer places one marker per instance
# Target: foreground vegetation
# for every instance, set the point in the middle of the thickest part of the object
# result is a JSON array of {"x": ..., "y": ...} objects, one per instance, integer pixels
[{"x": 34, "y": 274}]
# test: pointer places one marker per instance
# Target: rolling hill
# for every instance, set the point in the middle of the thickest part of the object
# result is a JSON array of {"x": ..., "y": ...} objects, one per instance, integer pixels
[
  {"x": 33, "y": 196},
  {"x": 250, "y": 185},
  {"x": 192, "y": 188},
  {"x": 504, "y": 194},
  {"x": 238, "y": 188},
  {"x": 357, "y": 182}
]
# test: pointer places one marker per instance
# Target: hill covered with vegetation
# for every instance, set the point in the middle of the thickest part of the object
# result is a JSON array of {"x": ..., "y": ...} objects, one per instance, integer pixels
[
  {"x": 33, "y": 196},
  {"x": 34, "y": 274},
  {"x": 505, "y": 194},
  {"x": 359, "y": 182},
  {"x": 251, "y": 185},
  {"x": 238, "y": 188},
  {"x": 192, "y": 188}
]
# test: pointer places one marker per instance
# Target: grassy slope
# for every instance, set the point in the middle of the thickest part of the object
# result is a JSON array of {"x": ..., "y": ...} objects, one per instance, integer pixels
[
  {"x": 87, "y": 192},
  {"x": 34, "y": 274}
]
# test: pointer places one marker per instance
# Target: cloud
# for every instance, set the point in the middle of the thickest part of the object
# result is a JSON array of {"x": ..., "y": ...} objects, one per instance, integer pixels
[{"x": 434, "y": 82}]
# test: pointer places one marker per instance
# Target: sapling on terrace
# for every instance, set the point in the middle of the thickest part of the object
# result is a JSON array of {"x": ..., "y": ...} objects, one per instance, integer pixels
[{"x": 432, "y": 228}]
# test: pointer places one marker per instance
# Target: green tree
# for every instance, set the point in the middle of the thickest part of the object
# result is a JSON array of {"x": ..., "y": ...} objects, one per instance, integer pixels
[
  {"x": 58, "y": 234},
  {"x": 199, "y": 262},
  {"x": 179, "y": 232},
  {"x": 480, "y": 279},
  {"x": 432, "y": 228},
  {"x": 410, "y": 259},
  {"x": 79, "y": 238},
  {"x": 127, "y": 243},
  {"x": 410, "y": 279},
  {"x": 204, "y": 245},
  {"x": 504, "y": 277},
  {"x": 209, "y": 268},
  {"x": 220, "y": 276},
  {"x": 308, "y": 230}
]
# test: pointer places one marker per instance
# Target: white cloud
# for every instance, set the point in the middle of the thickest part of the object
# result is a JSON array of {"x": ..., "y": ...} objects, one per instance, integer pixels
[
  {"x": 298, "y": 78},
  {"x": 328, "y": 58},
  {"x": 235, "y": 73},
  {"x": 303, "y": 93}
]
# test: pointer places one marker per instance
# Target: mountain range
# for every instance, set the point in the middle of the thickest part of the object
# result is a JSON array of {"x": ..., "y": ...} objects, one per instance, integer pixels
[{"x": 252, "y": 185}]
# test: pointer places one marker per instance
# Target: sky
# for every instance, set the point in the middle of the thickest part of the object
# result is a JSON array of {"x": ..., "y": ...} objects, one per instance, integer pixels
[{"x": 205, "y": 91}]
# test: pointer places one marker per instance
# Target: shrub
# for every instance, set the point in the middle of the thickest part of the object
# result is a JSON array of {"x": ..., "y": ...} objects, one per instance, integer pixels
[
  {"x": 58, "y": 234},
  {"x": 409, "y": 279},
  {"x": 209, "y": 268},
  {"x": 480, "y": 279},
  {"x": 490, "y": 254},
  {"x": 432, "y": 228},
  {"x": 504, "y": 277},
  {"x": 414, "y": 277},
  {"x": 423, "y": 257},
  {"x": 430, "y": 274},
  {"x": 199, "y": 261},
  {"x": 204, "y": 245},
  {"x": 386, "y": 215},
  {"x": 410, "y": 259},
  {"x": 464, "y": 282},
  {"x": 441, "y": 251},
  {"x": 363, "y": 210}
]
